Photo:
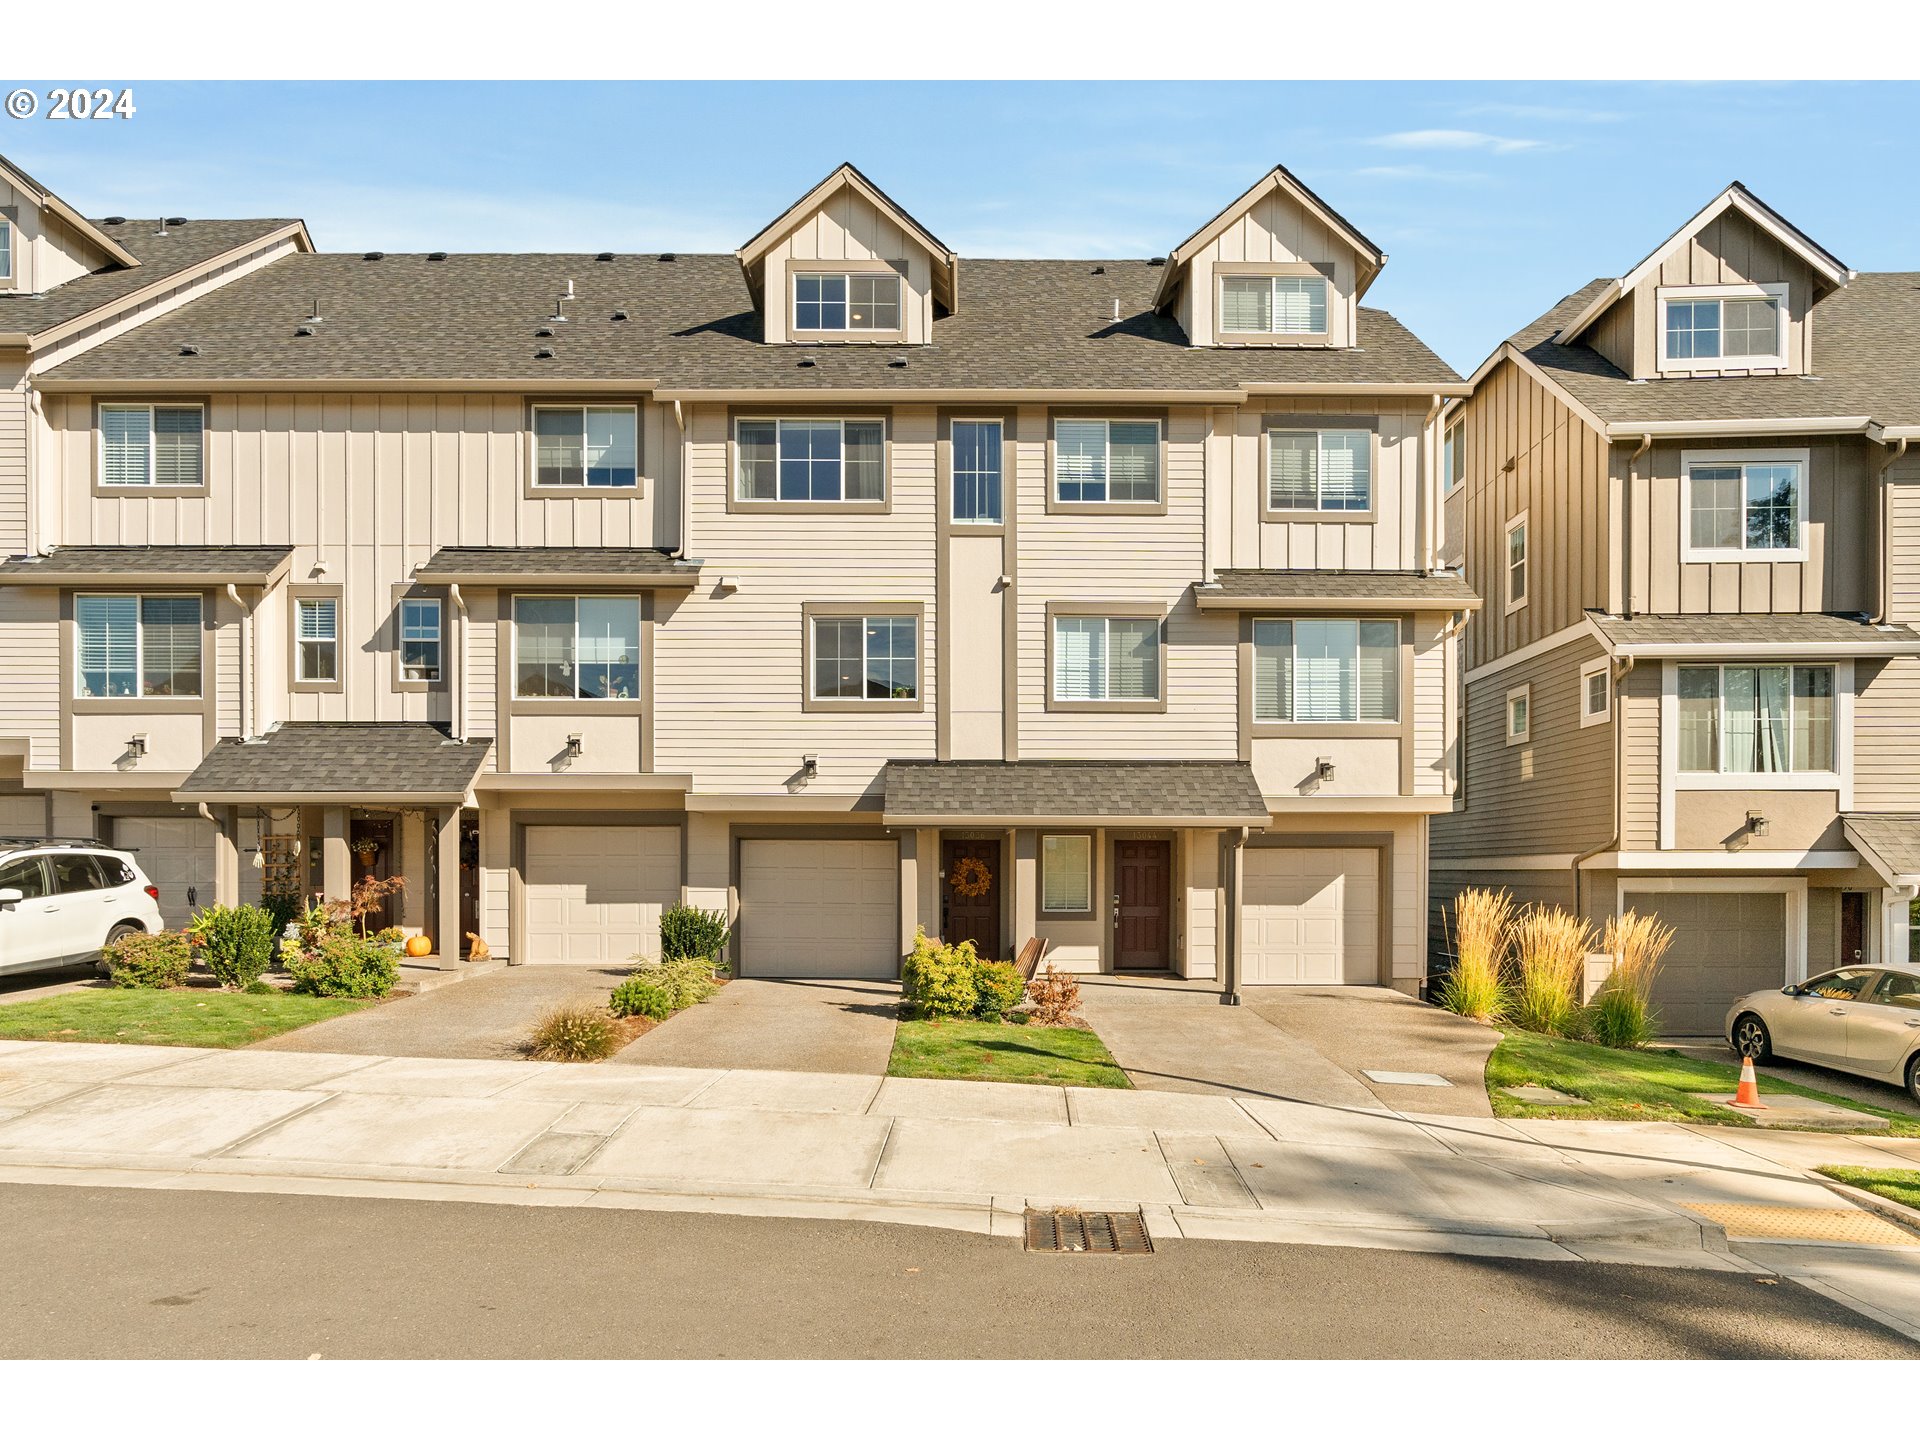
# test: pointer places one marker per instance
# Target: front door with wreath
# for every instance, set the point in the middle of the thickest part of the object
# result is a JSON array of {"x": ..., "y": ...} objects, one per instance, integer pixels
[{"x": 970, "y": 895}]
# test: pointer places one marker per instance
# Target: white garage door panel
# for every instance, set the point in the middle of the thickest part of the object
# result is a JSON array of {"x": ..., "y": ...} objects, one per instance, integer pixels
[
  {"x": 177, "y": 856},
  {"x": 1311, "y": 917},
  {"x": 594, "y": 893},
  {"x": 1725, "y": 944},
  {"x": 822, "y": 909},
  {"x": 24, "y": 816}
]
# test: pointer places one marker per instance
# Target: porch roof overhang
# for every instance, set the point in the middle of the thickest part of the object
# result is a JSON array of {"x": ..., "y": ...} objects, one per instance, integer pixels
[
  {"x": 1890, "y": 844},
  {"x": 1185, "y": 793},
  {"x": 1387, "y": 591},
  {"x": 1750, "y": 637},
  {"x": 339, "y": 763},
  {"x": 177, "y": 565},
  {"x": 558, "y": 565}
]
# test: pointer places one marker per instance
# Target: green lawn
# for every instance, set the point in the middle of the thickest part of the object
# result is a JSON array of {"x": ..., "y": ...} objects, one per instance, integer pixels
[
  {"x": 1024, "y": 1054},
  {"x": 1900, "y": 1185},
  {"x": 217, "y": 1019},
  {"x": 1633, "y": 1084}
]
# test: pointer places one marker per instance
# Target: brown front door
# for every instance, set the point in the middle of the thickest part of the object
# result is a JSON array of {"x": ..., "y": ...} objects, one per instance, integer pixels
[
  {"x": 973, "y": 916},
  {"x": 1853, "y": 927},
  {"x": 1142, "y": 882}
]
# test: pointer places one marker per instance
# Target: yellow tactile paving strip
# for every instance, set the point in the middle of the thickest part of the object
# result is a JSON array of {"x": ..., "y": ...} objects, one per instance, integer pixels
[{"x": 1792, "y": 1222}]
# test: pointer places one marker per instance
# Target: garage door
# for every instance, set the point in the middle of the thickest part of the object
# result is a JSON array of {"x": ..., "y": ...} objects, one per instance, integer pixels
[
  {"x": 1725, "y": 943},
  {"x": 1311, "y": 917},
  {"x": 177, "y": 855},
  {"x": 23, "y": 816},
  {"x": 819, "y": 908},
  {"x": 594, "y": 893}
]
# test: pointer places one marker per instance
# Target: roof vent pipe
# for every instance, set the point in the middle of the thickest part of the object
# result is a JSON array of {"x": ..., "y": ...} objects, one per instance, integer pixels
[{"x": 1116, "y": 307}]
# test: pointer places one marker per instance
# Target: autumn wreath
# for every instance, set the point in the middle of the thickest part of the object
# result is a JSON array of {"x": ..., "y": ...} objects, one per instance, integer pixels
[{"x": 971, "y": 879}]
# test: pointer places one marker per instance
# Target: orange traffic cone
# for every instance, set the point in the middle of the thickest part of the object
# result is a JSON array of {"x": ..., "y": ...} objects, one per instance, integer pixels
[{"x": 1747, "y": 1097}]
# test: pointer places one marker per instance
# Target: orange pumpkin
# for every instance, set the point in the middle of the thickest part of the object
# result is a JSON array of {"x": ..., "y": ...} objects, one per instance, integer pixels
[{"x": 418, "y": 945}]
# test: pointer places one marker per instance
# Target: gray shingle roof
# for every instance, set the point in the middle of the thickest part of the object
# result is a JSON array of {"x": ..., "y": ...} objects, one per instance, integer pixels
[
  {"x": 1041, "y": 324},
  {"x": 365, "y": 760},
  {"x": 1779, "y": 631},
  {"x": 1405, "y": 589},
  {"x": 224, "y": 564},
  {"x": 476, "y": 564},
  {"x": 1189, "y": 791},
  {"x": 1866, "y": 351},
  {"x": 183, "y": 247},
  {"x": 1893, "y": 839}
]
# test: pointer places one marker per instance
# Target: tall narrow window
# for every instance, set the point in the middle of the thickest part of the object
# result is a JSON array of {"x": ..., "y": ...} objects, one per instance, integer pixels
[
  {"x": 1099, "y": 462},
  {"x": 137, "y": 645},
  {"x": 6, "y": 251},
  {"x": 1097, "y": 658},
  {"x": 316, "y": 639},
  {"x": 1517, "y": 578},
  {"x": 1453, "y": 458},
  {"x": 420, "y": 638},
  {"x": 977, "y": 454},
  {"x": 590, "y": 446},
  {"x": 1066, "y": 874},
  {"x": 152, "y": 445},
  {"x": 1323, "y": 470}
]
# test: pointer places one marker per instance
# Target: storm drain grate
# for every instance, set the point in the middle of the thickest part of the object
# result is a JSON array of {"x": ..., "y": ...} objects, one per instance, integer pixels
[{"x": 1087, "y": 1232}]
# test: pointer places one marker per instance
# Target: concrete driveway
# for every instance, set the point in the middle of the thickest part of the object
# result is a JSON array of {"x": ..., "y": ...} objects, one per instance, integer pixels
[
  {"x": 824, "y": 1026},
  {"x": 1292, "y": 1043}
]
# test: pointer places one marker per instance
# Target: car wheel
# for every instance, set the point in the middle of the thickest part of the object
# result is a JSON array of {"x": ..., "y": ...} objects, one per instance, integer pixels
[
  {"x": 117, "y": 933},
  {"x": 1750, "y": 1038},
  {"x": 1913, "y": 1077}
]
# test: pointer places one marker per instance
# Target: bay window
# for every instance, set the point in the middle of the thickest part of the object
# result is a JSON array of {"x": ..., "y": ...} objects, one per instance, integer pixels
[
  {"x": 133, "y": 646},
  {"x": 1756, "y": 719},
  {"x": 1320, "y": 470},
  {"x": 831, "y": 461},
  {"x": 1326, "y": 671},
  {"x": 571, "y": 647}
]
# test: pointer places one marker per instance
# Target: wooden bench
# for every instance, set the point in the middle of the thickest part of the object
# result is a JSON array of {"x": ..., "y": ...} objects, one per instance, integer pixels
[{"x": 1027, "y": 962}]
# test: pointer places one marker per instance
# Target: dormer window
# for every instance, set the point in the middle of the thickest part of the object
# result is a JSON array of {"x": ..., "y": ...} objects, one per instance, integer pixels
[
  {"x": 1293, "y": 305},
  {"x": 829, "y": 302},
  {"x": 1723, "y": 327}
]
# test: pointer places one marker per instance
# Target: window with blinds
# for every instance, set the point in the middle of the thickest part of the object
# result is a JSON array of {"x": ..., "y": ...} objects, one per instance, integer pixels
[
  {"x": 151, "y": 445},
  {"x": 1320, "y": 470},
  {"x": 1097, "y": 462},
  {"x": 1273, "y": 304},
  {"x": 576, "y": 647},
  {"x": 593, "y": 446},
  {"x": 316, "y": 634},
  {"x": 1096, "y": 657},
  {"x": 130, "y": 646},
  {"x": 1326, "y": 671},
  {"x": 811, "y": 460},
  {"x": 1066, "y": 874}
]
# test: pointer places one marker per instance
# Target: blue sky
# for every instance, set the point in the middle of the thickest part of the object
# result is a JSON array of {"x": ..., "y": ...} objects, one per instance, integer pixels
[{"x": 1492, "y": 199}]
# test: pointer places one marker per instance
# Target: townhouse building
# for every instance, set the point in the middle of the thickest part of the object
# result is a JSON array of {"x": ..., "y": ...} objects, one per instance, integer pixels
[
  {"x": 1687, "y": 497},
  {"x": 844, "y": 583}
]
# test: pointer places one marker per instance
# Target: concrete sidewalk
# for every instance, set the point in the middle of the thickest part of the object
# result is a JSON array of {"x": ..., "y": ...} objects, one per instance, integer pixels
[{"x": 961, "y": 1154}]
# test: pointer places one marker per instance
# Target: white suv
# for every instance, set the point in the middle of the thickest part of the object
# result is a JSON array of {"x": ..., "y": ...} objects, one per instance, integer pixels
[{"x": 61, "y": 900}]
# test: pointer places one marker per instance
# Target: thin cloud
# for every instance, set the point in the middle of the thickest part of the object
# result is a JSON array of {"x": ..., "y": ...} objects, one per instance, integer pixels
[
  {"x": 1564, "y": 113},
  {"x": 1423, "y": 172},
  {"x": 1456, "y": 140}
]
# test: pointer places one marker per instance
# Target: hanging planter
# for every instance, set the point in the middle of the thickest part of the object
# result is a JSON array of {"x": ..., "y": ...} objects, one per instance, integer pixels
[
  {"x": 365, "y": 850},
  {"x": 970, "y": 879}
]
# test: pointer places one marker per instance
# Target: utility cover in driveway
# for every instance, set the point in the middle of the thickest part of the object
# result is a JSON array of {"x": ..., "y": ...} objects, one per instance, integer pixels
[{"x": 819, "y": 909}]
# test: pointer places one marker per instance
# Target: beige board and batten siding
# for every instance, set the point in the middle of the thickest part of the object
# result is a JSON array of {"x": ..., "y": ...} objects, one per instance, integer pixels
[
  {"x": 47, "y": 251},
  {"x": 1275, "y": 230},
  {"x": 729, "y": 666},
  {"x": 848, "y": 227}
]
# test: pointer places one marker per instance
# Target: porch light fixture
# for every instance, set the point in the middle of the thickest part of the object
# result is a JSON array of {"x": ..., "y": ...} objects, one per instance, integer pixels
[
  {"x": 1756, "y": 823},
  {"x": 809, "y": 767},
  {"x": 575, "y": 747},
  {"x": 137, "y": 746},
  {"x": 1323, "y": 769}
]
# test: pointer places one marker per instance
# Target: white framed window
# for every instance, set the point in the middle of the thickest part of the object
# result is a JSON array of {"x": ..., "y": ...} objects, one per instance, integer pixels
[
  {"x": 1596, "y": 692},
  {"x": 6, "y": 251},
  {"x": 1100, "y": 658},
  {"x": 1273, "y": 304},
  {"x": 1517, "y": 568},
  {"x": 1722, "y": 327},
  {"x": 150, "y": 445},
  {"x": 1320, "y": 470},
  {"x": 1744, "y": 504},
  {"x": 808, "y": 460},
  {"x": 316, "y": 657},
  {"x": 1326, "y": 671},
  {"x": 1756, "y": 719},
  {"x": 1066, "y": 874},
  {"x": 576, "y": 647},
  {"x": 422, "y": 648},
  {"x": 857, "y": 301},
  {"x": 1453, "y": 457},
  {"x": 136, "y": 646},
  {"x": 1520, "y": 715},
  {"x": 866, "y": 657},
  {"x": 978, "y": 454},
  {"x": 1106, "y": 462},
  {"x": 586, "y": 447}
]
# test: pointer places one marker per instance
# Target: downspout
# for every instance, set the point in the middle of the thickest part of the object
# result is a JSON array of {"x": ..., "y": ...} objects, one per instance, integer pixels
[
  {"x": 1883, "y": 521},
  {"x": 36, "y": 543},
  {"x": 246, "y": 661},
  {"x": 1626, "y": 539},
  {"x": 686, "y": 504},
  {"x": 1617, "y": 672},
  {"x": 459, "y": 707},
  {"x": 1430, "y": 488},
  {"x": 1457, "y": 623},
  {"x": 1231, "y": 844}
]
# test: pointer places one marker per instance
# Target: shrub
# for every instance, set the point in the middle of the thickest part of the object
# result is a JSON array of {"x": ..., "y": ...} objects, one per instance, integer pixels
[
  {"x": 939, "y": 980},
  {"x": 575, "y": 1033},
  {"x": 1551, "y": 949},
  {"x": 1055, "y": 997},
  {"x": 999, "y": 988},
  {"x": 1482, "y": 921},
  {"x": 236, "y": 941},
  {"x": 1621, "y": 1015},
  {"x": 339, "y": 962},
  {"x": 149, "y": 962},
  {"x": 282, "y": 910},
  {"x": 639, "y": 995},
  {"x": 687, "y": 932}
]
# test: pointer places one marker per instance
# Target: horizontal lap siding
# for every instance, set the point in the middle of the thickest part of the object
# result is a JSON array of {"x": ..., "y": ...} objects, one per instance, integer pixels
[
  {"x": 1432, "y": 675},
  {"x": 1639, "y": 710},
  {"x": 30, "y": 698},
  {"x": 1886, "y": 735},
  {"x": 14, "y": 419},
  {"x": 1903, "y": 539}
]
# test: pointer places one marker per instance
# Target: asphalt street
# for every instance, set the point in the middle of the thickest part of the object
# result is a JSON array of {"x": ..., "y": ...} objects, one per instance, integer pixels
[{"x": 170, "y": 1274}]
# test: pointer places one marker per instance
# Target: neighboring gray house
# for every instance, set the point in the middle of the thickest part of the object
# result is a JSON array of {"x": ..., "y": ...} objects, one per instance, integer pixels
[
  {"x": 843, "y": 582},
  {"x": 1687, "y": 499}
]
